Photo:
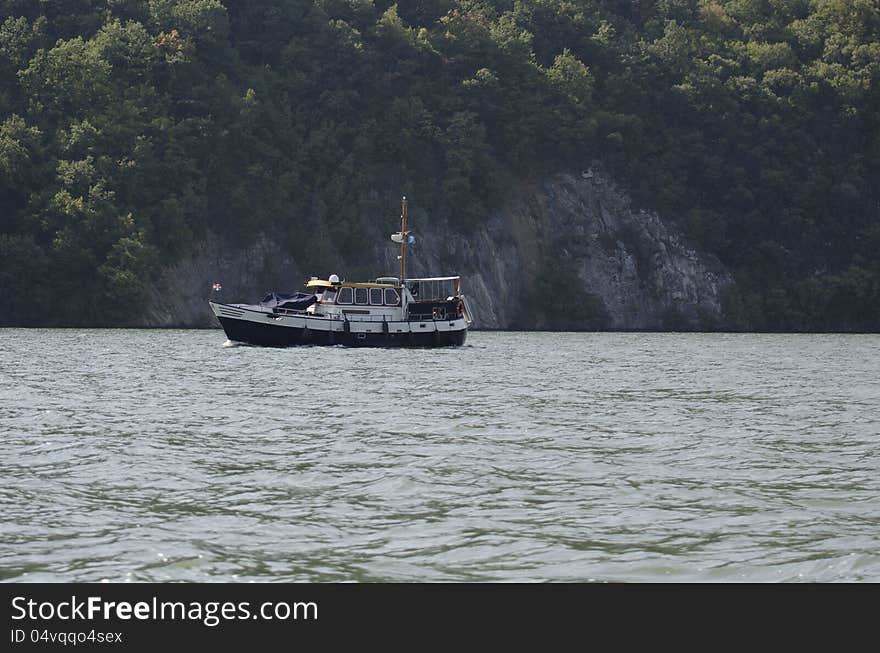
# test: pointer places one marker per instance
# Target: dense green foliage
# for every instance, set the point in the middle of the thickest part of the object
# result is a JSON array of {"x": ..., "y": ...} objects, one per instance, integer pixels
[{"x": 129, "y": 127}]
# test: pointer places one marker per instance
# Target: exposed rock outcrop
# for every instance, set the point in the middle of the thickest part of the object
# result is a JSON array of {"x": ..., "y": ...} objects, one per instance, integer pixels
[
  {"x": 567, "y": 252},
  {"x": 180, "y": 296}
]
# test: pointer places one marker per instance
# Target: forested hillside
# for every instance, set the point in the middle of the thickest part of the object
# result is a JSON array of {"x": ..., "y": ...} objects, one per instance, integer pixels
[{"x": 130, "y": 127}]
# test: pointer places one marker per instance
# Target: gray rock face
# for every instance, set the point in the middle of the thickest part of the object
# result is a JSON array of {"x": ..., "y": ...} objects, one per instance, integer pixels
[
  {"x": 567, "y": 252},
  {"x": 574, "y": 237},
  {"x": 180, "y": 296}
]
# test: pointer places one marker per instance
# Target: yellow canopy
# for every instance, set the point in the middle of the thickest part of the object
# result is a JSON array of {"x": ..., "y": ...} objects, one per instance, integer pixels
[{"x": 321, "y": 283}]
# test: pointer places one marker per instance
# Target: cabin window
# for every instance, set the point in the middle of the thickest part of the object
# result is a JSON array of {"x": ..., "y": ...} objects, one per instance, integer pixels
[
  {"x": 376, "y": 296},
  {"x": 329, "y": 295},
  {"x": 344, "y": 295},
  {"x": 391, "y": 297},
  {"x": 360, "y": 296}
]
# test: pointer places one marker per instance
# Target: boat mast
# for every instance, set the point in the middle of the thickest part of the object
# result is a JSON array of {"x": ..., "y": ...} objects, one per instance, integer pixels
[{"x": 403, "y": 241}]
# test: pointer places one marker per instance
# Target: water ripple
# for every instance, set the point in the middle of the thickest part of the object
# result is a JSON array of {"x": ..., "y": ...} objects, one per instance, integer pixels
[{"x": 163, "y": 455}]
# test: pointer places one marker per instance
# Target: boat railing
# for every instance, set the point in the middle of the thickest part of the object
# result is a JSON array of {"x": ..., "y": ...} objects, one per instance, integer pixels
[
  {"x": 434, "y": 289},
  {"x": 287, "y": 311},
  {"x": 349, "y": 318},
  {"x": 362, "y": 318}
]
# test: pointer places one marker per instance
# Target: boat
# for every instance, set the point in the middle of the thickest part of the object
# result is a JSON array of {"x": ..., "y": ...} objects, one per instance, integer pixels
[{"x": 383, "y": 312}]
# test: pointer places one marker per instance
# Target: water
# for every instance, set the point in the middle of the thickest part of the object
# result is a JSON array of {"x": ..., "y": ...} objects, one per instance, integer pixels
[{"x": 162, "y": 455}]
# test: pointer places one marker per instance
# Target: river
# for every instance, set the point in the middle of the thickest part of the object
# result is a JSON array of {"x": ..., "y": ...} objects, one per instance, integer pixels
[{"x": 160, "y": 455}]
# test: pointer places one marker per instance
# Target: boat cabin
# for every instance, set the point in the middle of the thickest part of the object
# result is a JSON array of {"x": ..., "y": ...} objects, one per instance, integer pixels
[{"x": 435, "y": 298}]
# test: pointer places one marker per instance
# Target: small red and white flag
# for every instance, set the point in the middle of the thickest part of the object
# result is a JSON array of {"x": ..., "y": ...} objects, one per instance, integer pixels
[{"x": 216, "y": 287}]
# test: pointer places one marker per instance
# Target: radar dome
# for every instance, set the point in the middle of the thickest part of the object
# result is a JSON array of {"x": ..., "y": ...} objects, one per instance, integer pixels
[{"x": 334, "y": 278}]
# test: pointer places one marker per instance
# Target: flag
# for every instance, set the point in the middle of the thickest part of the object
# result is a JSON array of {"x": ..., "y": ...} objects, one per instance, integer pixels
[{"x": 216, "y": 287}]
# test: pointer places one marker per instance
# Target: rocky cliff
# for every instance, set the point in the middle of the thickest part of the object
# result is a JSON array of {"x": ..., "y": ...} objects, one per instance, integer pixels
[
  {"x": 180, "y": 296},
  {"x": 567, "y": 252}
]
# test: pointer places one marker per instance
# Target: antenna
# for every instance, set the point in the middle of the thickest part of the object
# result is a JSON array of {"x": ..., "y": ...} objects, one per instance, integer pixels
[{"x": 403, "y": 241}]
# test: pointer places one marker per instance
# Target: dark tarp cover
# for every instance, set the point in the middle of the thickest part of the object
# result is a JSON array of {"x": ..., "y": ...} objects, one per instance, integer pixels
[{"x": 298, "y": 301}]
